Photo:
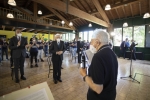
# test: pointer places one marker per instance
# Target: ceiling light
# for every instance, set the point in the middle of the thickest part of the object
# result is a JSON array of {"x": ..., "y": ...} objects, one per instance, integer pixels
[
  {"x": 63, "y": 22},
  {"x": 40, "y": 12},
  {"x": 90, "y": 25},
  {"x": 10, "y": 15},
  {"x": 125, "y": 24},
  {"x": 70, "y": 24},
  {"x": 146, "y": 15},
  {"x": 12, "y": 2},
  {"x": 107, "y": 7}
]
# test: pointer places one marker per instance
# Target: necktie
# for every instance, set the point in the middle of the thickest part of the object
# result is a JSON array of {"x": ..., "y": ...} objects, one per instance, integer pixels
[
  {"x": 19, "y": 38},
  {"x": 58, "y": 43}
]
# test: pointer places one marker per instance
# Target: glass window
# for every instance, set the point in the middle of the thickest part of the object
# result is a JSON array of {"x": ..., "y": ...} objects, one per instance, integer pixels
[
  {"x": 127, "y": 33},
  {"x": 63, "y": 37},
  {"x": 72, "y": 36},
  {"x": 85, "y": 36},
  {"x": 139, "y": 35},
  {"x": 67, "y": 37},
  {"x": 90, "y": 35},
  {"x": 118, "y": 36},
  {"x": 81, "y": 35}
]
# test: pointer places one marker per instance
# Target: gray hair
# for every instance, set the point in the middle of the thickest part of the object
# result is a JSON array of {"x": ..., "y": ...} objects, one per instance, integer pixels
[
  {"x": 57, "y": 35},
  {"x": 102, "y": 36}
]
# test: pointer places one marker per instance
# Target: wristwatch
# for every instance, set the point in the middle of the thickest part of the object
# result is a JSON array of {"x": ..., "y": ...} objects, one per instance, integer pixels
[{"x": 84, "y": 77}]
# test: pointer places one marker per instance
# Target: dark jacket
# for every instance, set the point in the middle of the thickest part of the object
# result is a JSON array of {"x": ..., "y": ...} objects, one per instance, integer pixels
[
  {"x": 132, "y": 47},
  {"x": 79, "y": 45},
  {"x": 18, "y": 51},
  {"x": 54, "y": 48}
]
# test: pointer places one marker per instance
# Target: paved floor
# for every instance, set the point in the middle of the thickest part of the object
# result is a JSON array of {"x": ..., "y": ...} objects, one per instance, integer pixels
[{"x": 72, "y": 87}]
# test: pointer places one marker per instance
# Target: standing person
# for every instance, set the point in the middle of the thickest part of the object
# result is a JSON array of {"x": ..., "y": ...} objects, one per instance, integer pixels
[
  {"x": 102, "y": 73},
  {"x": 123, "y": 47},
  {"x": 40, "y": 50},
  {"x": 18, "y": 44},
  {"x": 133, "y": 49},
  {"x": 5, "y": 49},
  {"x": 46, "y": 48},
  {"x": 33, "y": 52},
  {"x": 79, "y": 49},
  {"x": 57, "y": 49}
]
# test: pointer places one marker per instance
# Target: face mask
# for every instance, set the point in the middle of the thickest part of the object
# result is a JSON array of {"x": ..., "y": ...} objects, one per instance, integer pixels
[
  {"x": 93, "y": 49},
  {"x": 19, "y": 34},
  {"x": 58, "y": 40},
  {"x": 39, "y": 40},
  {"x": 33, "y": 40}
]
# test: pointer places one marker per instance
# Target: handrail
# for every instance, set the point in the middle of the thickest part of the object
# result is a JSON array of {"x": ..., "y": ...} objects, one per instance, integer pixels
[{"x": 23, "y": 16}]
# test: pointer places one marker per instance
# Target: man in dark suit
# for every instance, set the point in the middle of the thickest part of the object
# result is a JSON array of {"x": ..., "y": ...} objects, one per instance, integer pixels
[
  {"x": 18, "y": 45},
  {"x": 123, "y": 47},
  {"x": 57, "y": 49},
  {"x": 133, "y": 50},
  {"x": 79, "y": 49}
]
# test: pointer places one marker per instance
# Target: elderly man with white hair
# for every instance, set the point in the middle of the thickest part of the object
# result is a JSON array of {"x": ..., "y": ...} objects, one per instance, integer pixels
[
  {"x": 57, "y": 49},
  {"x": 102, "y": 73}
]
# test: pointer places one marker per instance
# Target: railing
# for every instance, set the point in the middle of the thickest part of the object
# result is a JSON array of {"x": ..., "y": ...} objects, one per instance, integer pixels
[{"x": 23, "y": 16}]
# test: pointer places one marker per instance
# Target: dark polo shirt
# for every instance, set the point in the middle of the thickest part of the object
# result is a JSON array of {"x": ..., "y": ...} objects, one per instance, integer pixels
[{"x": 103, "y": 71}]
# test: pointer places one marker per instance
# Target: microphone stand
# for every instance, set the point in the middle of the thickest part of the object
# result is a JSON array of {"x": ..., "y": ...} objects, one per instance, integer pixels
[{"x": 130, "y": 76}]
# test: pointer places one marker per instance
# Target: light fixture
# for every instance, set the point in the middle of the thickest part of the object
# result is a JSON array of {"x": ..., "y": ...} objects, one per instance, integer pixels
[
  {"x": 63, "y": 22},
  {"x": 73, "y": 31},
  {"x": 90, "y": 25},
  {"x": 10, "y": 15},
  {"x": 12, "y": 2},
  {"x": 146, "y": 15},
  {"x": 125, "y": 24},
  {"x": 70, "y": 24},
  {"x": 107, "y": 7},
  {"x": 112, "y": 34},
  {"x": 40, "y": 12}
]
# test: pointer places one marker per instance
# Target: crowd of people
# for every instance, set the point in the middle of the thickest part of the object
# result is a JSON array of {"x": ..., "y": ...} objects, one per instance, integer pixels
[
  {"x": 102, "y": 72},
  {"x": 125, "y": 45}
]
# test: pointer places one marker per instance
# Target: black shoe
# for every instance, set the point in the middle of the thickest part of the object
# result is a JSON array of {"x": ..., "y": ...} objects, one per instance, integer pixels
[
  {"x": 62, "y": 68},
  {"x": 36, "y": 65},
  {"x": 38, "y": 60},
  {"x": 17, "y": 80},
  {"x": 55, "y": 81},
  {"x": 129, "y": 59},
  {"x": 60, "y": 80},
  {"x": 23, "y": 78},
  {"x": 31, "y": 66},
  {"x": 42, "y": 60}
]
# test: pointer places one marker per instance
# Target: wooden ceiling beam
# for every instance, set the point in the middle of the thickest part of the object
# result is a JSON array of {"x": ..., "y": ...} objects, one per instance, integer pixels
[
  {"x": 123, "y": 3},
  {"x": 149, "y": 5},
  {"x": 82, "y": 5},
  {"x": 124, "y": 11},
  {"x": 49, "y": 15},
  {"x": 100, "y": 10},
  {"x": 3, "y": 27},
  {"x": 59, "y": 5},
  {"x": 111, "y": 14},
  {"x": 88, "y": 6},
  {"x": 140, "y": 9},
  {"x": 61, "y": 17},
  {"x": 131, "y": 10},
  {"x": 27, "y": 3},
  {"x": 117, "y": 13}
]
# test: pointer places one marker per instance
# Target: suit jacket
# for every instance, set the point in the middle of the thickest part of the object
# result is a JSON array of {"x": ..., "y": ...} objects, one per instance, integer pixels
[
  {"x": 54, "y": 48},
  {"x": 124, "y": 47},
  {"x": 79, "y": 45},
  {"x": 18, "y": 51},
  {"x": 132, "y": 47}
]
